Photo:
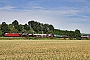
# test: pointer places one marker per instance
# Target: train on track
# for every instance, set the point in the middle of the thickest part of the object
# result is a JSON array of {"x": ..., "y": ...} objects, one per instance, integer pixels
[
  {"x": 40, "y": 35},
  {"x": 33, "y": 35},
  {"x": 27, "y": 35}
]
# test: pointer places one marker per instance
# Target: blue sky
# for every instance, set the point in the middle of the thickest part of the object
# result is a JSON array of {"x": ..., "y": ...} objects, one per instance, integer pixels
[{"x": 62, "y": 14}]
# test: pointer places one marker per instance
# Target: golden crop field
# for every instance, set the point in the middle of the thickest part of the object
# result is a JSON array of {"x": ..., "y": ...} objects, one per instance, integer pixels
[{"x": 44, "y": 50}]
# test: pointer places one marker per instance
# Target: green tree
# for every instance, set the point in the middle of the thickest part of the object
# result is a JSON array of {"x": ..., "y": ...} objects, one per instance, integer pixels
[
  {"x": 26, "y": 27},
  {"x": 4, "y": 27},
  {"x": 51, "y": 27},
  {"x": 31, "y": 24},
  {"x": 78, "y": 34},
  {"x": 31, "y": 31},
  {"x": 45, "y": 28},
  {"x": 71, "y": 35},
  {"x": 36, "y": 26},
  {"x": 1, "y": 32},
  {"x": 12, "y": 29},
  {"x": 19, "y": 28},
  {"x": 15, "y": 24},
  {"x": 57, "y": 31}
]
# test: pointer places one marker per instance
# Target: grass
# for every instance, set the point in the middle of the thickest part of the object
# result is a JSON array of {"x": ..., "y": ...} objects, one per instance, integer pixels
[
  {"x": 35, "y": 38},
  {"x": 44, "y": 50}
]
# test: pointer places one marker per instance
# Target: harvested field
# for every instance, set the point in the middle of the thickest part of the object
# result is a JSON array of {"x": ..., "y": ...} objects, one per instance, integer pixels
[{"x": 44, "y": 50}]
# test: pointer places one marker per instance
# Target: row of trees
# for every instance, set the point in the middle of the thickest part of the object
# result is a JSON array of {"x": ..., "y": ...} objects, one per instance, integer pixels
[
  {"x": 71, "y": 34},
  {"x": 31, "y": 27},
  {"x": 35, "y": 27}
]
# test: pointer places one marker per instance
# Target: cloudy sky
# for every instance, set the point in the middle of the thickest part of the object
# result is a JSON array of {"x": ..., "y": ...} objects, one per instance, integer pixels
[{"x": 62, "y": 14}]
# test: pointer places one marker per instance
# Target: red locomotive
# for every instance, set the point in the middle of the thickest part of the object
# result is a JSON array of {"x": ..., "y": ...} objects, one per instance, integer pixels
[{"x": 12, "y": 34}]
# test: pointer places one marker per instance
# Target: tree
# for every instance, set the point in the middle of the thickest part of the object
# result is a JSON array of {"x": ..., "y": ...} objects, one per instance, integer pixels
[
  {"x": 78, "y": 34},
  {"x": 36, "y": 26},
  {"x": 31, "y": 31},
  {"x": 30, "y": 23},
  {"x": 20, "y": 28},
  {"x": 0, "y": 26},
  {"x": 15, "y": 22},
  {"x": 51, "y": 27},
  {"x": 71, "y": 35},
  {"x": 4, "y": 27},
  {"x": 12, "y": 29},
  {"x": 45, "y": 28},
  {"x": 26, "y": 27},
  {"x": 1, "y": 32},
  {"x": 57, "y": 31}
]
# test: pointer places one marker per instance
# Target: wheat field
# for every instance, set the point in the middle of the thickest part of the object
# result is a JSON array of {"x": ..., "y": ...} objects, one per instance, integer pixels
[{"x": 44, "y": 50}]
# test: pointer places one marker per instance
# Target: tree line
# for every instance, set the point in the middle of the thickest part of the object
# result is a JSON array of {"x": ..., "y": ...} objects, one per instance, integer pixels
[{"x": 36, "y": 28}]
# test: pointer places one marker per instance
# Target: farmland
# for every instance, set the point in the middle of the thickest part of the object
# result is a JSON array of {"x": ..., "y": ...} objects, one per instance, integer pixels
[{"x": 44, "y": 50}]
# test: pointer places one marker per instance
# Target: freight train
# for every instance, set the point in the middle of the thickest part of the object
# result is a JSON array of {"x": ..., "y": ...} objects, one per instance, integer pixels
[
  {"x": 27, "y": 35},
  {"x": 39, "y": 35},
  {"x": 32, "y": 35}
]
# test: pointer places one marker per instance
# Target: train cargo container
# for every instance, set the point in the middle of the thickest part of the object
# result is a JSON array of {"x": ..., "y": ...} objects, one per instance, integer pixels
[{"x": 57, "y": 36}]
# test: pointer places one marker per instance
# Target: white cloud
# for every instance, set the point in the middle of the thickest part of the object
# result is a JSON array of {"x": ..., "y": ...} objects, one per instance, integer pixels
[
  {"x": 7, "y": 8},
  {"x": 38, "y": 7},
  {"x": 75, "y": 0}
]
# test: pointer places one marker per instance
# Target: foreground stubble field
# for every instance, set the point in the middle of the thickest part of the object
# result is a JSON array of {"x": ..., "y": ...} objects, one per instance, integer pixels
[{"x": 44, "y": 50}]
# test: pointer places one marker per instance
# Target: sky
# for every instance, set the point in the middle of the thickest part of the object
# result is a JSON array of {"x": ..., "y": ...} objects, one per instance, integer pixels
[{"x": 62, "y": 14}]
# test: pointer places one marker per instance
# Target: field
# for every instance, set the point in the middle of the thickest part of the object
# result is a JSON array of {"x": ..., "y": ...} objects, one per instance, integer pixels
[{"x": 44, "y": 50}]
